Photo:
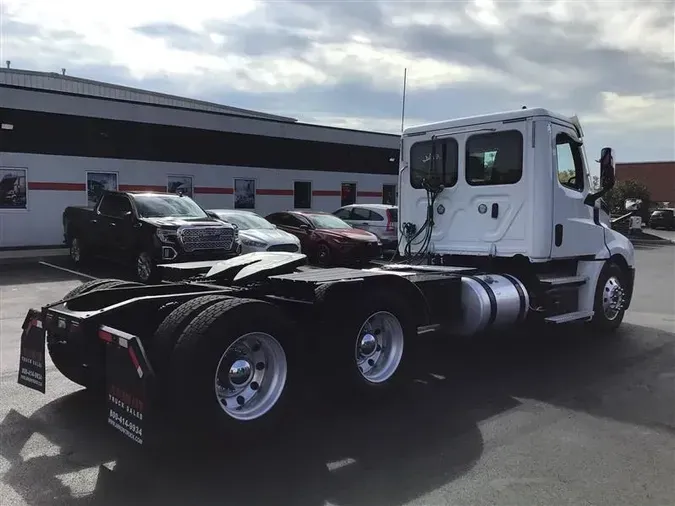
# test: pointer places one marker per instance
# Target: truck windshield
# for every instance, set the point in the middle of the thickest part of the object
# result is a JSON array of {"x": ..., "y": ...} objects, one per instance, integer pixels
[{"x": 167, "y": 206}]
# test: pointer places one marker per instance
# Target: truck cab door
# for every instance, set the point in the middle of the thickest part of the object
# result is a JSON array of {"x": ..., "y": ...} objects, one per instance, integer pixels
[
  {"x": 116, "y": 221},
  {"x": 575, "y": 232}
]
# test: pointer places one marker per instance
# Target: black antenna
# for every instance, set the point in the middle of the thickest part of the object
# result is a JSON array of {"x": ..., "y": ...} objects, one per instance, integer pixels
[{"x": 405, "y": 80}]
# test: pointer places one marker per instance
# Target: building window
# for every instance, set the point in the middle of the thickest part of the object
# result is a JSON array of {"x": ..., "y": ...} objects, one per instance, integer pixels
[
  {"x": 389, "y": 194},
  {"x": 99, "y": 182},
  {"x": 244, "y": 193},
  {"x": 180, "y": 184},
  {"x": 569, "y": 163},
  {"x": 71, "y": 135},
  {"x": 494, "y": 158},
  {"x": 348, "y": 194},
  {"x": 443, "y": 171},
  {"x": 13, "y": 193},
  {"x": 302, "y": 195}
]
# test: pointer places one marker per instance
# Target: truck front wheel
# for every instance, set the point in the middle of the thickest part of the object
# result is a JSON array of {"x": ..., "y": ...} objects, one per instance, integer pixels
[
  {"x": 146, "y": 269},
  {"x": 610, "y": 299},
  {"x": 78, "y": 254}
]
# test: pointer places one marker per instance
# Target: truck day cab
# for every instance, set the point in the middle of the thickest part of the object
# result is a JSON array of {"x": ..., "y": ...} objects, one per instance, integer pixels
[{"x": 493, "y": 238}]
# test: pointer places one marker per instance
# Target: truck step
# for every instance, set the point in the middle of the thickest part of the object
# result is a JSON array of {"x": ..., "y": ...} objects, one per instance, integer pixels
[
  {"x": 562, "y": 281},
  {"x": 570, "y": 317}
]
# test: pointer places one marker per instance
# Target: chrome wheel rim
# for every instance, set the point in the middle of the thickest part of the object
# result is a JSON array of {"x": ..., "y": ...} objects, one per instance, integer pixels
[
  {"x": 75, "y": 251},
  {"x": 251, "y": 376},
  {"x": 613, "y": 298},
  {"x": 379, "y": 347},
  {"x": 143, "y": 266}
]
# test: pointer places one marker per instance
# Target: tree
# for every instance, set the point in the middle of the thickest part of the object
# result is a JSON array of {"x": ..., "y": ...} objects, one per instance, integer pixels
[{"x": 629, "y": 189}]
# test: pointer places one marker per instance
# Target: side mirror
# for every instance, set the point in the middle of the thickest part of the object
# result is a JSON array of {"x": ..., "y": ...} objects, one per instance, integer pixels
[
  {"x": 128, "y": 215},
  {"x": 304, "y": 227},
  {"x": 607, "y": 176}
]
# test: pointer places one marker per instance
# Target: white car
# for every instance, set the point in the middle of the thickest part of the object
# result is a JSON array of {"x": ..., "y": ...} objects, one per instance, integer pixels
[
  {"x": 378, "y": 219},
  {"x": 256, "y": 233}
]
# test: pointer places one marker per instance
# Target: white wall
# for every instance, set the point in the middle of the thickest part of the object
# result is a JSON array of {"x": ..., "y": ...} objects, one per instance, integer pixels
[{"x": 41, "y": 223}]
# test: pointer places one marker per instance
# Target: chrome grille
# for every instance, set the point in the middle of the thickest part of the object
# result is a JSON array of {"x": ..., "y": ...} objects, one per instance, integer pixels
[
  {"x": 292, "y": 248},
  {"x": 206, "y": 238}
]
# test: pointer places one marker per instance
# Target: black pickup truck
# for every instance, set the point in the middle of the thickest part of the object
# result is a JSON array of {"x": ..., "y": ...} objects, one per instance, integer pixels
[{"x": 144, "y": 229}]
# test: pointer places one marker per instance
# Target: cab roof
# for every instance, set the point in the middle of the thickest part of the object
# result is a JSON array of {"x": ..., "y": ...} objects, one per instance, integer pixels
[{"x": 492, "y": 118}]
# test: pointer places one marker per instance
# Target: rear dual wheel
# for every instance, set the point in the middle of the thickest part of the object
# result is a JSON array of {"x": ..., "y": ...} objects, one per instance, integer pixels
[
  {"x": 367, "y": 340},
  {"x": 231, "y": 362}
]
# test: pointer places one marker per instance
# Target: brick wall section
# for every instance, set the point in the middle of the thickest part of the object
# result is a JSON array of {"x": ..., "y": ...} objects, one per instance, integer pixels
[{"x": 659, "y": 177}]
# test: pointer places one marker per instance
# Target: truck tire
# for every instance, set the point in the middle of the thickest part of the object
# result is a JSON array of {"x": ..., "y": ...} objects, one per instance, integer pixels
[
  {"x": 609, "y": 304},
  {"x": 65, "y": 358},
  {"x": 368, "y": 338},
  {"x": 169, "y": 331},
  {"x": 146, "y": 268},
  {"x": 93, "y": 285},
  {"x": 233, "y": 368},
  {"x": 77, "y": 251}
]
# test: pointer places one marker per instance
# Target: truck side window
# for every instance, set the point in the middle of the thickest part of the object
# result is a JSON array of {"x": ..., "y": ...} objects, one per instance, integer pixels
[
  {"x": 494, "y": 158},
  {"x": 114, "y": 206},
  {"x": 445, "y": 167},
  {"x": 569, "y": 163}
]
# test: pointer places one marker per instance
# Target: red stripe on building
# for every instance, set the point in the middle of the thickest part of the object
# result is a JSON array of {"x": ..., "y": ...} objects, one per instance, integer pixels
[
  {"x": 326, "y": 193},
  {"x": 272, "y": 191},
  {"x": 64, "y": 187},
  {"x": 369, "y": 194},
  {"x": 213, "y": 190},
  {"x": 141, "y": 188}
]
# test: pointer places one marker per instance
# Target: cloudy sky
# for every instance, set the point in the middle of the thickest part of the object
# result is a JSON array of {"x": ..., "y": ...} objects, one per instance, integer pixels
[{"x": 341, "y": 63}]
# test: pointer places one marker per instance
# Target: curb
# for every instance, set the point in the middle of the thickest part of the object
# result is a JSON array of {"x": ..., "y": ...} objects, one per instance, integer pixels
[
  {"x": 18, "y": 257},
  {"x": 651, "y": 242}
]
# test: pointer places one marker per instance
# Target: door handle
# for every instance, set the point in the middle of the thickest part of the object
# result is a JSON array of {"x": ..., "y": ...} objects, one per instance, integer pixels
[
  {"x": 495, "y": 210},
  {"x": 112, "y": 224},
  {"x": 94, "y": 222}
]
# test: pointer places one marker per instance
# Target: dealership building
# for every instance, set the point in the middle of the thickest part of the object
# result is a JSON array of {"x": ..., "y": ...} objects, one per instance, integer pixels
[{"x": 64, "y": 139}]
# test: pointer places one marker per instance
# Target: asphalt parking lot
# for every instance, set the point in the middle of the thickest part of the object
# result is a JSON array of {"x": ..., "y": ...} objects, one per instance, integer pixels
[{"x": 561, "y": 419}]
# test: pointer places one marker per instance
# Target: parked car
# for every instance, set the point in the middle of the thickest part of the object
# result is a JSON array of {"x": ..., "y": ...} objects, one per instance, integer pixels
[
  {"x": 256, "y": 233},
  {"x": 379, "y": 219},
  {"x": 326, "y": 239},
  {"x": 663, "y": 218},
  {"x": 144, "y": 229}
]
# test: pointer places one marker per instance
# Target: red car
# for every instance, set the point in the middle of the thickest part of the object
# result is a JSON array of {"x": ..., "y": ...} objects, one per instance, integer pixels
[{"x": 326, "y": 239}]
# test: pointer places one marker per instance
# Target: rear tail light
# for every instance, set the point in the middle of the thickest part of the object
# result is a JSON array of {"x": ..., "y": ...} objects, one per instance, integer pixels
[{"x": 390, "y": 222}]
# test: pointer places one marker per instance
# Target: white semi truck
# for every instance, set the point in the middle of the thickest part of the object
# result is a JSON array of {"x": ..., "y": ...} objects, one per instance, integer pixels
[{"x": 500, "y": 225}]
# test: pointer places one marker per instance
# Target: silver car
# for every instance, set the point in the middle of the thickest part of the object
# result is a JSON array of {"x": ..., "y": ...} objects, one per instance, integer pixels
[
  {"x": 379, "y": 219},
  {"x": 256, "y": 233}
]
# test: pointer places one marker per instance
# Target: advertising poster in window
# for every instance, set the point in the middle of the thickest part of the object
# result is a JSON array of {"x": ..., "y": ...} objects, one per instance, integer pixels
[
  {"x": 180, "y": 184},
  {"x": 244, "y": 193},
  {"x": 348, "y": 194},
  {"x": 97, "y": 183},
  {"x": 389, "y": 194},
  {"x": 12, "y": 188}
]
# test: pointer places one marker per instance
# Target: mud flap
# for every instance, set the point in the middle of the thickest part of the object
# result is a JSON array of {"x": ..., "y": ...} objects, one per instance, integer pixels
[
  {"x": 129, "y": 379},
  {"x": 32, "y": 352}
]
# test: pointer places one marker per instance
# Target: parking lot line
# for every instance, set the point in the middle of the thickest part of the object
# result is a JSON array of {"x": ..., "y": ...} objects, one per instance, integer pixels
[{"x": 67, "y": 270}]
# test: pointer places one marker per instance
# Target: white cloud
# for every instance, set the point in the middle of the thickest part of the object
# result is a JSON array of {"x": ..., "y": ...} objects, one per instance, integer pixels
[
  {"x": 483, "y": 53},
  {"x": 629, "y": 111}
]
